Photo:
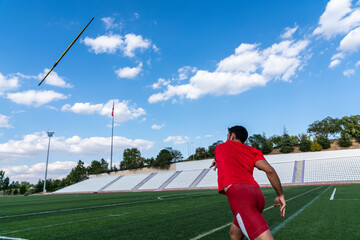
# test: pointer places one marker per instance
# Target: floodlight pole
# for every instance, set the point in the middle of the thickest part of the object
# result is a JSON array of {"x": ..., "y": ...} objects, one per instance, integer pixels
[
  {"x": 50, "y": 134},
  {"x": 112, "y": 136},
  {"x": 112, "y": 143}
]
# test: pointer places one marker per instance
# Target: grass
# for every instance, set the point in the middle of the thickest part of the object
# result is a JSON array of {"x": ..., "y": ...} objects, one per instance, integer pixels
[{"x": 175, "y": 215}]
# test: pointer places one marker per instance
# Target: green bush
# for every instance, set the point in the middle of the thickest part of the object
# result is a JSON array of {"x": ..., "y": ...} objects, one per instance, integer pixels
[
  {"x": 345, "y": 140},
  {"x": 323, "y": 141},
  {"x": 315, "y": 146},
  {"x": 357, "y": 137},
  {"x": 305, "y": 143},
  {"x": 267, "y": 146},
  {"x": 286, "y": 145}
]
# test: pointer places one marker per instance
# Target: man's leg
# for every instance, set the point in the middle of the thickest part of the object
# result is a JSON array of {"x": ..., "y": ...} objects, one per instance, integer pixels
[
  {"x": 235, "y": 233},
  {"x": 265, "y": 236}
]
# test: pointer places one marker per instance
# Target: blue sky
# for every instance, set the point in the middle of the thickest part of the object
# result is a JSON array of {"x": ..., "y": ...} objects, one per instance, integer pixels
[{"x": 180, "y": 73}]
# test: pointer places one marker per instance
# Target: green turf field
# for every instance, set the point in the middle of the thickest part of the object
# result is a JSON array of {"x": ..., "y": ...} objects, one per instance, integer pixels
[{"x": 202, "y": 214}]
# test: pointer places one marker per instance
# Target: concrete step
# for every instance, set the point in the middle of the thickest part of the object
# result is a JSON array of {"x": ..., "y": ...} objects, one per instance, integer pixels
[
  {"x": 107, "y": 185},
  {"x": 164, "y": 185},
  {"x": 143, "y": 181},
  {"x": 199, "y": 178}
]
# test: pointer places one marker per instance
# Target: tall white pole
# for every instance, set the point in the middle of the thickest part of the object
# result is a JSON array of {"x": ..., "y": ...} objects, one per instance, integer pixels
[
  {"x": 50, "y": 134},
  {"x": 112, "y": 141},
  {"x": 112, "y": 136}
]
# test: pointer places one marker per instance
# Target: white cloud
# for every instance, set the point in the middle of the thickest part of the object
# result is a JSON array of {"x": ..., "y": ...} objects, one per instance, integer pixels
[
  {"x": 155, "y": 48},
  {"x": 17, "y": 111},
  {"x": 248, "y": 67},
  {"x": 111, "y": 43},
  {"x": 109, "y": 23},
  {"x": 186, "y": 71},
  {"x": 338, "y": 18},
  {"x": 4, "y": 121},
  {"x": 341, "y": 17},
  {"x": 104, "y": 44},
  {"x": 348, "y": 72},
  {"x": 136, "y": 15},
  {"x": 32, "y": 173},
  {"x": 157, "y": 127},
  {"x": 357, "y": 63},
  {"x": 289, "y": 32},
  {"x": 161, "y": 82},
  {"x": 36, "y": 144},
  {"x": 53, "y": 79},
  {"x": 128, "y": 72},
  {"x": 35, "y": 98},
  {"x": 134, "y": 42},
  {"x": 8, "y": 83},
  {"x": 334, "y": 63},
  {"x": 123, "y": 111},
  {"x": 351, "y": 41},
  {"x": 208, "y": 136},
  {"x": 177, "y": 139}
]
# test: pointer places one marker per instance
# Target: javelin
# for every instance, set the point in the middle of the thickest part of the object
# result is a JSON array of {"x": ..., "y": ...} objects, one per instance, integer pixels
[{"x": 65, "y": 51}]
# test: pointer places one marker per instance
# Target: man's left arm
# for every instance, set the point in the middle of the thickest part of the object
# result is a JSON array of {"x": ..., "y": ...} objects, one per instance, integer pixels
[{"x": 213, "y": 164}]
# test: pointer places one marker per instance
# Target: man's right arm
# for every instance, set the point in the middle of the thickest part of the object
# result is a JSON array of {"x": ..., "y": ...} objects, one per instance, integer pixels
[{"x": 275, "y": 183}]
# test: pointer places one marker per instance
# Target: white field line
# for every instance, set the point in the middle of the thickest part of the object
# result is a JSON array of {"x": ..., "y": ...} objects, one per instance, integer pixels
[
  {"x": 66, "y": 223},
  {"x": 281, "y": 225},
  {"x": 10, "y": 238},
  {"x": 333, "y": 195},
  {"x": 76, "y": 209},
  {"x": 346, "y": 199},
  {"x": 165, "y": 197},
  {"x": 89, "y": 219},
  {"x": 99, "y": 206},
  {"x": 228, "y": 224}
]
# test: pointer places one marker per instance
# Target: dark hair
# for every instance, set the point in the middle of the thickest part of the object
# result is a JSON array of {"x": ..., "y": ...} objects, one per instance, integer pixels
[{"x": 240, "y": 132}]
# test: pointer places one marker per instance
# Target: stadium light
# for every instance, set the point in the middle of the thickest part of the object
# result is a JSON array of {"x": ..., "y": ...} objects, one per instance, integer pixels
[{"x": 50, "y": 134}]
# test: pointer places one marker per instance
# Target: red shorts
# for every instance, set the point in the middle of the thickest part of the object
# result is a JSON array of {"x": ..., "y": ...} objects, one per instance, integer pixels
[{"x": 247, "y": 202}]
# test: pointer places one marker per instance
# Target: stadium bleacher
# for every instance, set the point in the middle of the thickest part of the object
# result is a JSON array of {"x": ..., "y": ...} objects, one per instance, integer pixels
[
  {"x": 332, "y": 170},
  {"x": 89, "y": 185},
  {"x": 331, "y": 166},
  {"x": 158, "y": 180}
]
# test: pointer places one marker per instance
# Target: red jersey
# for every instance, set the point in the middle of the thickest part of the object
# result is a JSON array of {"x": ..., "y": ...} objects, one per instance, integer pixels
[{"x": 235, "y": 163}]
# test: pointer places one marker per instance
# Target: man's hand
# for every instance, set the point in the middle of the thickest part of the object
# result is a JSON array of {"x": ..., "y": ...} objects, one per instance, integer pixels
[
  {"x": 280, "y": 201},
  {"x": 213, "y": 164}
]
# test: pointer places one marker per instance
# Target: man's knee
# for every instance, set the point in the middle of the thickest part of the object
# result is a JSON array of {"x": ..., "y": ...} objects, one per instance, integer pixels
[{"x": 235, "y": 234}]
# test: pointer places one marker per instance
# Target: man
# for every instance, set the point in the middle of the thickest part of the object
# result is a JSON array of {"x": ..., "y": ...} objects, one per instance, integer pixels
[{"x": 235, "y": 162}]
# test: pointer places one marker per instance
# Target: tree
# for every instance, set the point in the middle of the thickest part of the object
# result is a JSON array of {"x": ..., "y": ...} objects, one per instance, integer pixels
[
  {"x": 256, "y": 141},
  {"x": 23, "y": 187},
  {"x": 39, "y": 186},
  {"x": 77, "y": 174},
  {"x": 324, "y": 141},
  {"x": 286, "y": 144},
  {"x": 97, "y": 167},
  {"x": 2, "y": 178},
  {"x": 305, "y": 143},
  {"x": 315, "y": 146},
  {"x": 261, "y": 142},
  {"x": 211, "y": 148},
  {"x": 351, "y": 125},
  {"x": 294, "y": 141},
  {"x": 345, "y": 140},
  {"x": 176, "y": 154},
  {"x": 200, "y": 153},
  {"x": 131, "y": 159},
  {"x": 276, "y": 140},
  {"x": 163, "y": 159},
  {"x": 149, "y": 162},
  {"x": 266, "y": 146},
  {"x": 326, "y": 127}
]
